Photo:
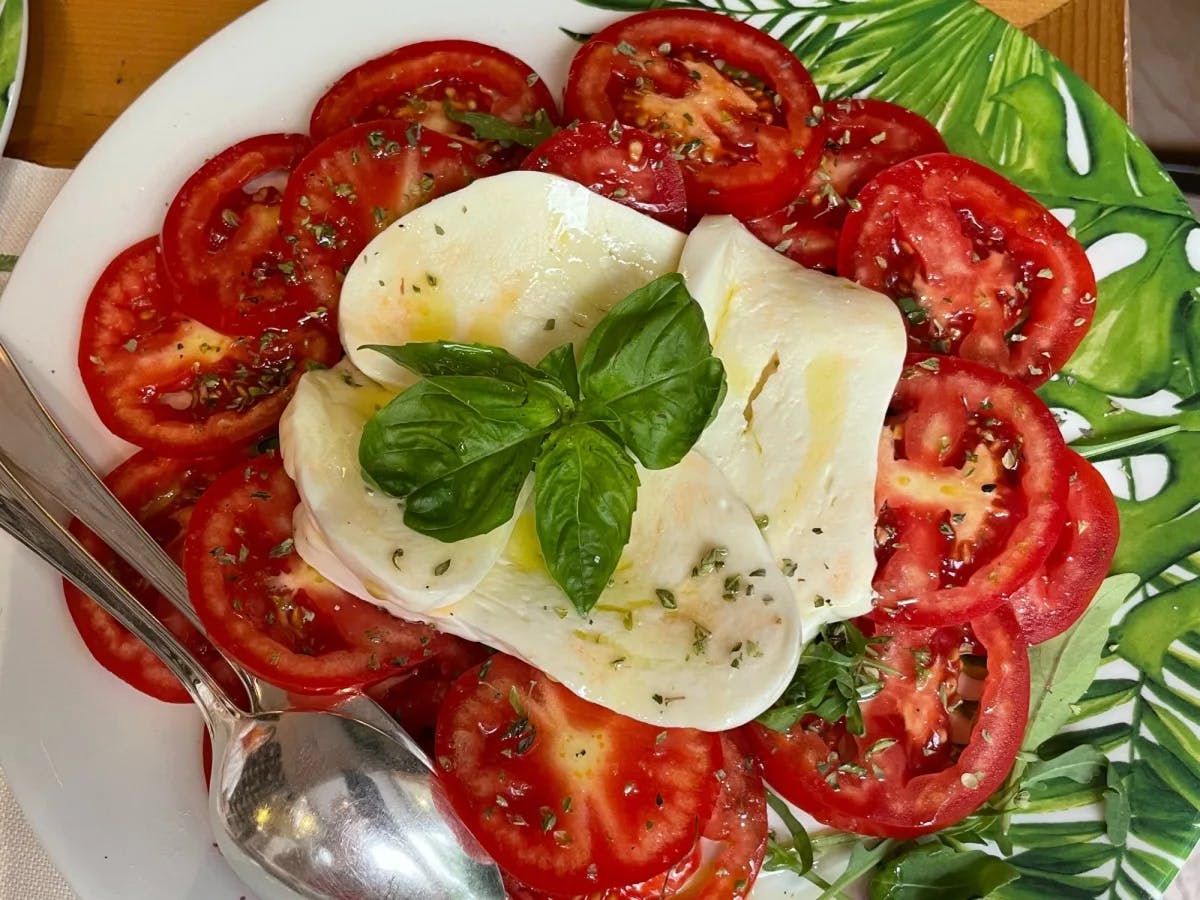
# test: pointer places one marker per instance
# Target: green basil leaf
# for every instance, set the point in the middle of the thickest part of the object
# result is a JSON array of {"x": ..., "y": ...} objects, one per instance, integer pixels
[
  {"x": 493, "y": 128},
  {"x": 1062, "y": 668},
  {"x": 559, "y": 364},
  {"x": 459, "y": 449},
  {"x": 585, "y": 492},
  {"x": 934, "y": 870},
  {"x": 437, "y": 358},
  {"x": 649, "y": 373}
]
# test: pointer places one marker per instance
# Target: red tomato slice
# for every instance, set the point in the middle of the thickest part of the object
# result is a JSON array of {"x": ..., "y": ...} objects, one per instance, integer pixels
[
  {"x": 418, "y": 82},
  {"x": 864, "y": 138},
  {"x": 221, "y": 243},
  {"x": 262, "y": 604},
  {"x": 739, "y": 110},
  {"x": 622, "y": 163},
  {"x": 351, "y": 187},
  {"x": 909, "y": 774},
  {"x": 971, "y": 491},
  {"x": 415, "y": 698},
  {"x": 569, "y": 797},
  {"x": 1050, "y": 602},
  {"x": 980, "y": 268},
  {"x": 160, "y": 493},
  {"x": 167, "y": 383}
]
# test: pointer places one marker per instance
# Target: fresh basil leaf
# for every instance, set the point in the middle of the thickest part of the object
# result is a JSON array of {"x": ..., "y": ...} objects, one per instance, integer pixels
[
  {"x": 493, "y": 128},
  {"x": 559, "y": 364},
  {"x": 459, "y": 449},
  {"x": 934, "y": 870},
  {"x": 649, "y": 373},
  {"x": 437, "y": 358},
  {"x": 585, "y": 492},
  {"x": 1062, "y": 668}
]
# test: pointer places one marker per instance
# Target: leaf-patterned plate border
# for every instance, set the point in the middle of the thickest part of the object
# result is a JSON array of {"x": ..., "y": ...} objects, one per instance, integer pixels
[
  {"x": 1129, "y": 399},
  {"x": 14, "y": 35}
]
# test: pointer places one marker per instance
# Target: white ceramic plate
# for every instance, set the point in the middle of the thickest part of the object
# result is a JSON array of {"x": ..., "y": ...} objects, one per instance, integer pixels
[{"x": 111, "y": 779}]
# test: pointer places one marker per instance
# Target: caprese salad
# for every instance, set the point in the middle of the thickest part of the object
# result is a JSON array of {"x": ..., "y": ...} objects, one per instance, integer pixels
[{"x": 632, "y": 455}]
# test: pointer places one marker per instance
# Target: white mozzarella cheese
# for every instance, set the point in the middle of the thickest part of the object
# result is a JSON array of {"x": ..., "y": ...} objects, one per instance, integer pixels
[
  {"x": 811, "y": 362},
  {"x": 524, "y": 260}
]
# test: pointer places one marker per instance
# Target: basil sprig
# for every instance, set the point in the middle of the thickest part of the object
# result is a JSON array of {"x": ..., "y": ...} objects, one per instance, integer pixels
[{"x": 458, "y": 446}]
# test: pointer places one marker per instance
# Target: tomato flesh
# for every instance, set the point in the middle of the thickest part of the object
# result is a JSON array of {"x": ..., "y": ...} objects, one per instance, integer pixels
[
  {"x": 970, "y": 491},
  {"x": 221, "y": 243},
  {"x": 265, "y": 607},
  {"x": 351, "y": 187},
  {"x": 1050, "y": 602},
  {"x": 569, "y": 797},
  {"x": 980, "y": 269},
  {"x": 907, "y": 775},
  {"x": 624, "y": 164},
  {"x": 160, "y": 493},
  {"x": 864, "y": 137},
  {"x": 169, "y": 384},
  {"x": 738, "y": 109}
]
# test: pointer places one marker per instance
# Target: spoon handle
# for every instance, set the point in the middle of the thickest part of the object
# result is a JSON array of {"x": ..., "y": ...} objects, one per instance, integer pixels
[{"x": 28, "y": 521}]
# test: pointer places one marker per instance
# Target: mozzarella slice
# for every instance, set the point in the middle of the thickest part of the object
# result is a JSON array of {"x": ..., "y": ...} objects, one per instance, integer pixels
[
  {"x": 356, "y": 536},
  {"x": 811, "y": 362},
  {"x": 524, "y": 260},
  {"x": 697, "y": 629}
]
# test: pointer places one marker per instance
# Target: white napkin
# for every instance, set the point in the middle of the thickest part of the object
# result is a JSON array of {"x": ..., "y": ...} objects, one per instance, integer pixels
[{"x": 26, "y": 873}]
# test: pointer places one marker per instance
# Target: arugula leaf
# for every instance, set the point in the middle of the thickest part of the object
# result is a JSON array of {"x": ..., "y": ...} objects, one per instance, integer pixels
[
  {"x": 493, "y": 128},
  {"x": 648, "y": 372},
  {"x": 838, "y": 669},
  {"x": 864, "y": 857},
  {"x": 459, "y": 449},
  {"x": 1082, "y": 764},
  {"x": 585, "y": 493},
  {"x": 436, "y": 358},
  {"x": 935, "y": 870},
  {"x": 798, "y": 857},
  {"x": 559, "y": 364},
  {"x": 1062, "y": 668}
]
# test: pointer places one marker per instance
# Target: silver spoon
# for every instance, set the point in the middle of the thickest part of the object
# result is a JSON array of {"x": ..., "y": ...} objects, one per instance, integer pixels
[{"x": 303, "y": 803}]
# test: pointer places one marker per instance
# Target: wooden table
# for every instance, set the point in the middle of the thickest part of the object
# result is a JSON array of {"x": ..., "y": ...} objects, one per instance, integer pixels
[{"x": 88, "y": 59}]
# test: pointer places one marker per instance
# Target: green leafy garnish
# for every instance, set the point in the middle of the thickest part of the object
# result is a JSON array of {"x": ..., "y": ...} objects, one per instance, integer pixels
[
  {"x": 796, "y": 856},
  {"x": 487, "y": 127},
  {"x": 459, "y": 445},
  {"x": 839, "y": 669},
  {"x": 935, "y": 870}
]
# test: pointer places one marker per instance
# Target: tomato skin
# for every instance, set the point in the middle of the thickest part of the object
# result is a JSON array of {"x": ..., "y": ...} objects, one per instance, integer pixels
[
  {"x": 588, "y": 799},
  {"x": 916, "y": 785},
  {"x": 221, "y": 246},
  {"x": 171, "y": 385},
  {"x": 270, "y": 611},
  {"x": 624, "y": 164},
  {"x": 864, "y": 137},
  {"x": 1050, "y": 602},
  {"x": 412, "y": 83},
  {"x": 993, "y": 275},
  {"x": 759, "y": 135},
  {"x": 352, "y": 186},
  {"x": 971, "y": 491},
  {"x": 160, "y": 493}
]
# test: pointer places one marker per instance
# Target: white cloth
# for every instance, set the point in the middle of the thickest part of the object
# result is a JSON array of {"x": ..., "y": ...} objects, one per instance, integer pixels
[{"x": 26, "y": 873}]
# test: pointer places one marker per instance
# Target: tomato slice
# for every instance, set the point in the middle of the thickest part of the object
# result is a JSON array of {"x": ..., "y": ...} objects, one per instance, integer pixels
[
  {"x": 864, "y": 138},
  {"x": 619, "y": 162},
  {"x": 262, "y": 604},
  {"x": 1050, "y": 602},
  {"x": 924, "y": 761},
  {"x": 351, "y": 187},
  {"x": 160, "y": 493},
  {"x": 221, "y": 243},
  {"x": 415, "y": 698},
  {"x": 418, "y": 83},
  {"x": 971, "y": 491},
  {"x": 980, "y": 268},
  {"x": 738, "y": 109},
  {"x": 167, "y": 383},
  {"x": 569, "y": 797}
]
